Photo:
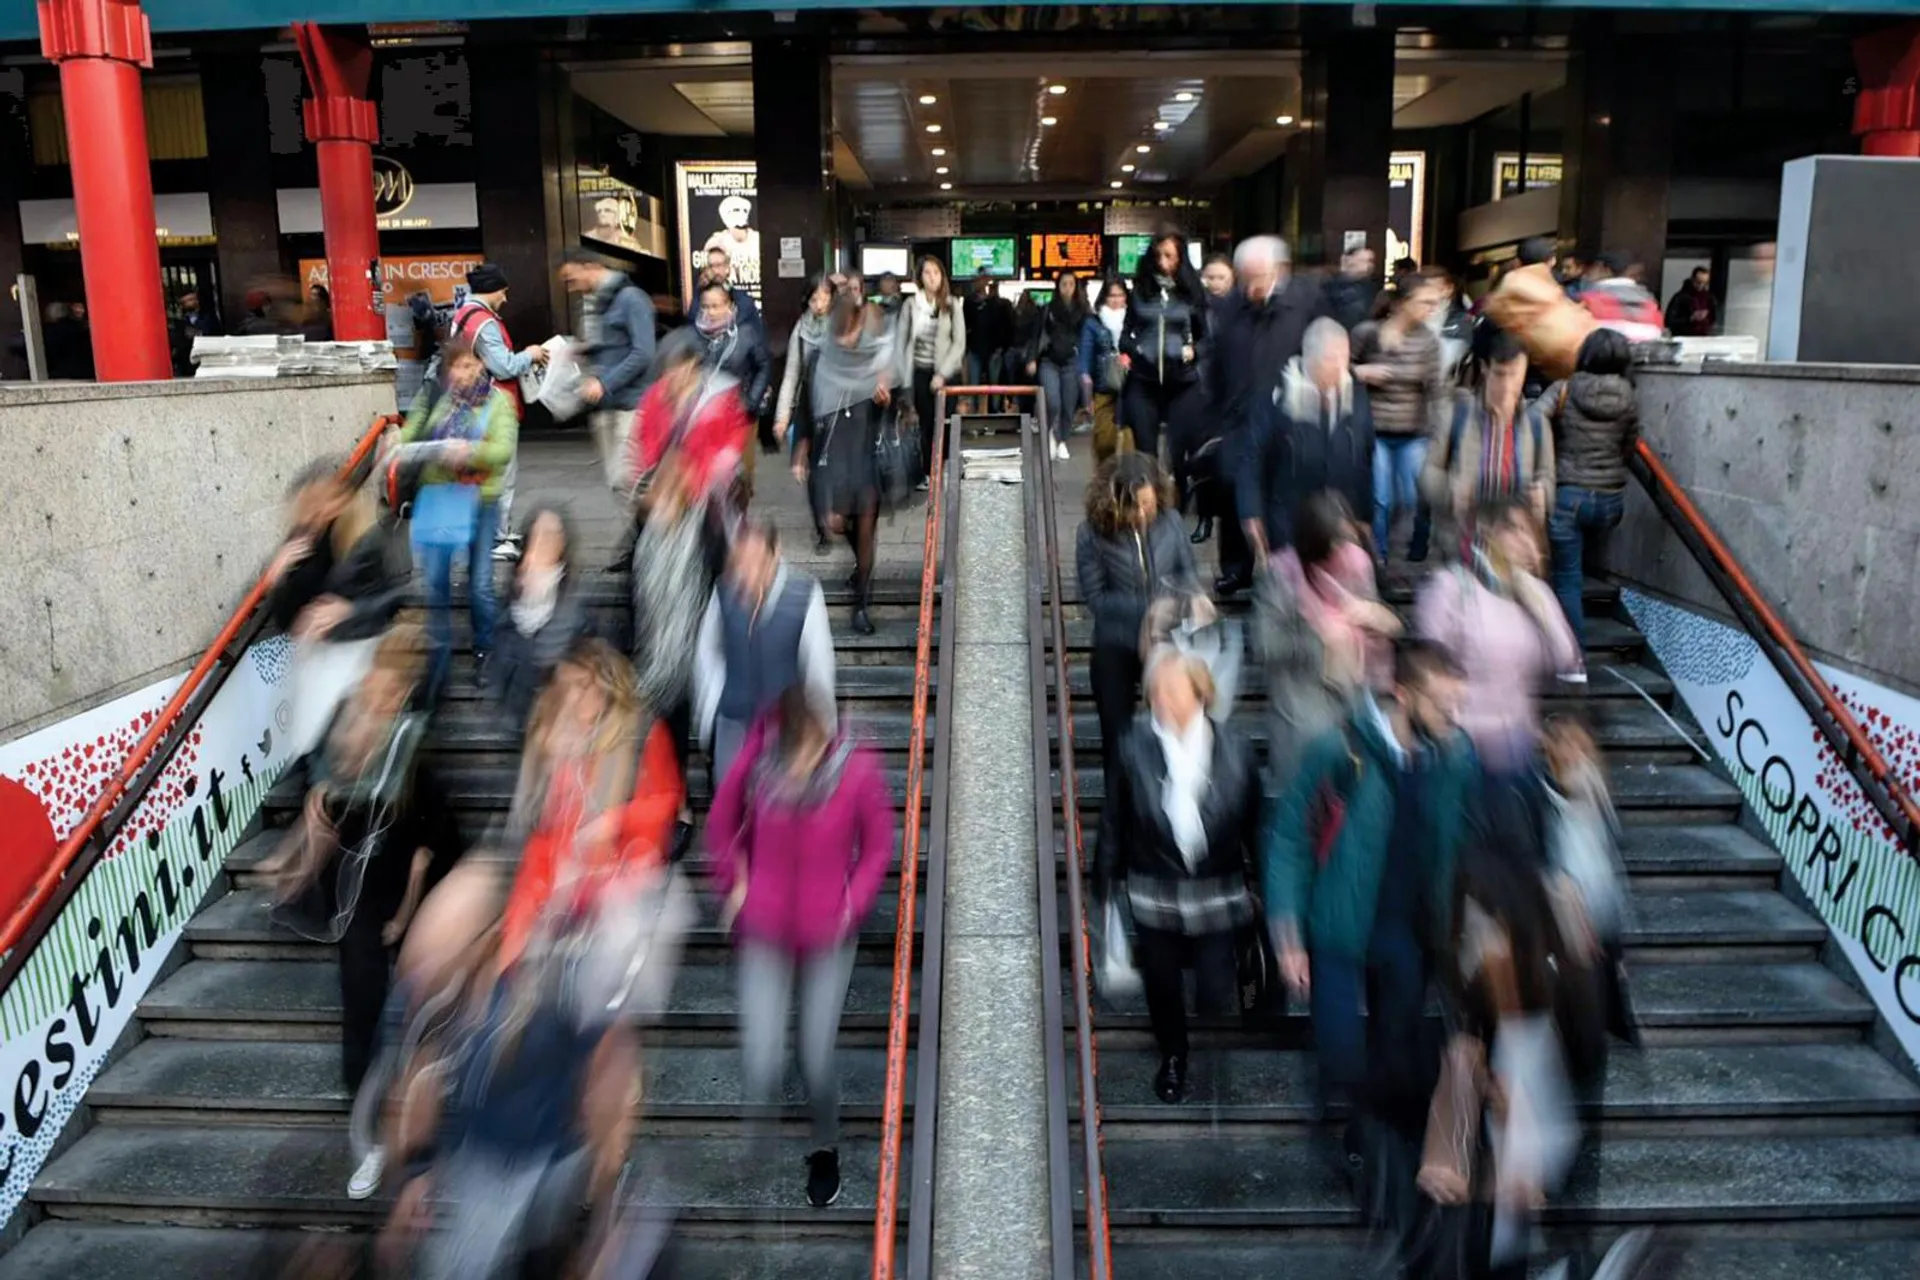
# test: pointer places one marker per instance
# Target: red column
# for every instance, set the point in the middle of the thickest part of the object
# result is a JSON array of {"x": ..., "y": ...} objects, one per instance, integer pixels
[
  {"x": 100, "y": 46},
  {"x": 1886, "y": 114},
  {"x": 342, "y": 124}
]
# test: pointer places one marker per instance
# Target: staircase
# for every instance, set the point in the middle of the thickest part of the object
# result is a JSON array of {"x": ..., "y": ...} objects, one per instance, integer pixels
[
  {"x": 216, "y": 1144},
  {"x": 1758, "y": 1129}
]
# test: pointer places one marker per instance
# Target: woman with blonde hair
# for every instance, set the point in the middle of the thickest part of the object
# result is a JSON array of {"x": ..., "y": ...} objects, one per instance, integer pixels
[{"x": 337, "y": 581}]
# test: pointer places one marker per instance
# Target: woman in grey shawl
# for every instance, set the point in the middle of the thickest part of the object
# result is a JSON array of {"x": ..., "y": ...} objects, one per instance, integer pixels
[
  {"x": 793, "y": 411},
  {"x": 852, "y": 388}
]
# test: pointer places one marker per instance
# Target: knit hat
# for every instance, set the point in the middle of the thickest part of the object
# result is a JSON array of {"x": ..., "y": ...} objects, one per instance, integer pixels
[{"x": 486, "y": 278}]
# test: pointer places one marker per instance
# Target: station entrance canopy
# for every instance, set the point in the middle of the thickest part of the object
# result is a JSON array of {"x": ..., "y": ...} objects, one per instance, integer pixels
[{"x": 17, "y": 22}]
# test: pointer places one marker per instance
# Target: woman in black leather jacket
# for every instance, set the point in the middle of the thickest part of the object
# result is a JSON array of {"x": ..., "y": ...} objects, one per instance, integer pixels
[
  {"x": 1162, "y": 345},
  {"x": 1177, "y": 840},
  {"x": 1130, "y": 551}
]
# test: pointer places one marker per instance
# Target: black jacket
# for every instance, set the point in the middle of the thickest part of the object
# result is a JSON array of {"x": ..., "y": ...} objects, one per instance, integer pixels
[
  {"x": 1348, "y": 300},
  {"x": 370, "y": 579},
  {"x": 989, "y": 323},
  {"x": 1253, "y": 344},
  {"x": 1121, "y": 575},
  {"x": 1292, "y": 452},
  {"x": 1137, "y": 843},
  {"x": 741, "y": 351},
  {"x": 1159, "y": 324},
  {"x": 521, "y": 662},
  {"x": 1057, "y": 337}
]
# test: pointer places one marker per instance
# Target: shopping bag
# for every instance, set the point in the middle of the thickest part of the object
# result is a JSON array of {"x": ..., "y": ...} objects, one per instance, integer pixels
[
  {"x": 896, "y": 458},
  {"x": 632, "y": 953},
  {"x": 321, "y": 675},
  {"x": 444, "y": 515},
  {"x": 557, "y": 386},
  {"x": 1115, "y": 973}
]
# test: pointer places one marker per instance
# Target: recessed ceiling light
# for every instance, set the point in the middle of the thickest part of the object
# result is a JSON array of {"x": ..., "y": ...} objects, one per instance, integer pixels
[
  {"x": 927, "y": 99},
  {"x": 1056, "y": 89},
  {"x": 1283, "y": 121},
  {"x": 939, "y": 151},
  {"x": 1183, "y": 96},
  {"x": 1049, "y": 121},
  {"x": 1162, "y": 125},
  {"x": 943, "y": 169},
  {"x": 1126, "y": 168},
  {"x": 1143, "y": 148},
  {"x": 1116, "y": 184},
  {"x": 946, "y": 186},
  {"x": 933, "y": 128}
]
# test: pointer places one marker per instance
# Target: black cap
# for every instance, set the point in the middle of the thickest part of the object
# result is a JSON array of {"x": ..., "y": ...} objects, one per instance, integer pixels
[{"x": 486, "y": 278}]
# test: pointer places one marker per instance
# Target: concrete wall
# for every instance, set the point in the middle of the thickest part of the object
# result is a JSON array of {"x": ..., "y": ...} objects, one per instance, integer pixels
[
  {"x": 136, "y": 516},
  {"x": 1811, "y": 475}
]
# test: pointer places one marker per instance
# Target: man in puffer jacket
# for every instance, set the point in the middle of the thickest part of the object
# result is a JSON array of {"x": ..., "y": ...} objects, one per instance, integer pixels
[{"x": 1596, "y": 424}]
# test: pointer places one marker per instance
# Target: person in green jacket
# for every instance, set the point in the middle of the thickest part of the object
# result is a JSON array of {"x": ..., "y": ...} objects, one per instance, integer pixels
[
  {"x": 1358, "y": 873},
  {"x": 476, "y": 430}
]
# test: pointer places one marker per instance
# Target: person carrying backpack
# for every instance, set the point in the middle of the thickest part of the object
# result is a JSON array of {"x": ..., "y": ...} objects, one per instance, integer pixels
[
  {"x": 1493, "y": 446},
  {"x": 1358, "y": 878}
]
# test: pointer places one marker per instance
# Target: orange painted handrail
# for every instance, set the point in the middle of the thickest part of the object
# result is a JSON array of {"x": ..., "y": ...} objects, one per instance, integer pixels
[
  {"x": 25, "y": 915},
  {"x": 886, "y": 1209},
  {"x": 1868, "y": 755}
]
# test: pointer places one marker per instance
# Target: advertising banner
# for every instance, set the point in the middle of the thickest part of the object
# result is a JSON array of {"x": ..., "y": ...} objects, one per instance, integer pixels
[
  {"x": 79, "y": 989},
  {"x": 442, "y": 278},
  {"x": 719, "y": 207},
  {"x": 1406, "y": 207},
  {"x": 1864, "y": 885},
  {"x": 618, "y": 215}
]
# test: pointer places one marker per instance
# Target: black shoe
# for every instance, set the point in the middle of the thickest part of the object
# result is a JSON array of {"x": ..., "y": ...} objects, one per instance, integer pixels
[
  {"x": 823, "y": 1177},
  {"x": 1417, "y": 555},
  {"x": 1170, "y": 1081},
  {"x": 622, "y": 563},
  {"x": 862, "y": 624},
  {"x": 480, "y": 668},
  {"x": 822, "y": 545},
  {"x": 1202, "y": 532},
  {"x": 1228, "y": 584},
  {"x": 682, "y": 840}
]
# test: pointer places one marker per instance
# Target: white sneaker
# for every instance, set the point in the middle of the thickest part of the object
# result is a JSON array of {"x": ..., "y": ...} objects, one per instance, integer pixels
[
  {"x": 366, "y": 1179},
  {"x": 507, "y": 549},
  {"x": 1573, "y": 677},
  {"x": 1060, "y": 453}
]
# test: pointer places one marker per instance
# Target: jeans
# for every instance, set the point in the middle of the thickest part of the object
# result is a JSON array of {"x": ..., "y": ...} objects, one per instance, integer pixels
[
  {"x": 1163, "y": 958},
  {"x": 1114, "y": 672},
  {"x": 1060, "y": 384},
  {"x": 984, "y": 371},
  {"x": 768, "y": 977},
  {"x": 1381, "y": 1062},
  {"x": 1397, "y": 461},
  {"x": 1579, "y": 523},
  {"x": 436, "y": 565}
]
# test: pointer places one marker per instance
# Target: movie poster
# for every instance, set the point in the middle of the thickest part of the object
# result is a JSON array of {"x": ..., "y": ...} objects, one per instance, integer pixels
[
  {"x": 719, "y": 208},
  {"x": 1406, "y": 207},
  {"x": 615, "y": 213}
]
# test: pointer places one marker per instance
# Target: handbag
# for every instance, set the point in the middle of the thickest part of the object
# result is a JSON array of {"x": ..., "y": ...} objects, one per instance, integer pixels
[
  {"x": 445, "y": 516},
  {"x": 1115, "y": 973},
  {"x": 1256, "y": 969},
  {"x": 1113, "y": 374},
  {"x": 321, "y": 676},
  {"x": 896, "y": 458}
]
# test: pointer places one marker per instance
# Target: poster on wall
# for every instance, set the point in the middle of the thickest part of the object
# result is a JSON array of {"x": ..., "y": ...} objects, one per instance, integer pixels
[
  {"x": 1542, "y": 171},
  {"x": 1406, "y": 206},
  {"x": 617, "y": 214},
  {"x": 79, "y": 988},
  {"x": 440, "y": 278},
  {"x": 719, "y": 207},
  {"x": 1863, "y": 884}
]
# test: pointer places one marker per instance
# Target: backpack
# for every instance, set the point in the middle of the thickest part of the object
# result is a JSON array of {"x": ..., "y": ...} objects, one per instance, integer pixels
[{"x": 1328, "y": 816}]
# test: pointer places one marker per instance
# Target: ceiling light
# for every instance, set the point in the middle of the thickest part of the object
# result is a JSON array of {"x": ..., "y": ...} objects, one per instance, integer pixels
[
  {"x": 943, "y": 169},
  {"x": 1162, "y": 125},
  {"x": 1049, "y": 121},
  {"x": 1116, "y": 184},
  {"x": 939, "y": 151},
  {"x": 1283, "y": 121},
  {"x": 946, "y": 186},
  {"x": 1056, "y": 89},
  {"x": 1183, "y": 96},
  {"x": 927, "y": 99},
  {"x": 1126, "y": 168},
  {"x": 1143, "y": 148},
  {"x": 933, "y": 128}
]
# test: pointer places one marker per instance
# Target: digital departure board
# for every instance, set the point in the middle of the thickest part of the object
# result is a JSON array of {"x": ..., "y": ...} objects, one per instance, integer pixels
[{"x": 1076, "y": 251}]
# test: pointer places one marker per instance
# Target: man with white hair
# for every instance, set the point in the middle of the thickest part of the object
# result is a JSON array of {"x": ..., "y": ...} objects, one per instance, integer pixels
[{"x": 1258, "y": 330}]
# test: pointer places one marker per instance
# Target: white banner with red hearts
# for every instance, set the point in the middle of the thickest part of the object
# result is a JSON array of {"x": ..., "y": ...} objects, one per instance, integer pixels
[{"x": 78, "y": 990}]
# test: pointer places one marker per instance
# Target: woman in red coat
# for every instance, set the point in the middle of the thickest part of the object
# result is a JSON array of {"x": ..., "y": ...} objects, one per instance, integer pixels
[{"x": 694, "y": 413}]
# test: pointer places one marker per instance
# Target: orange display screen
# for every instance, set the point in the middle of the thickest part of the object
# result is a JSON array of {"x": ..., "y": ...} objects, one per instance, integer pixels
[{"x": 1076, "y": 251}]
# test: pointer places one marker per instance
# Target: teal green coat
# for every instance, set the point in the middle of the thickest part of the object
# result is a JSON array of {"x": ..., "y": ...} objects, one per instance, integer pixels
[
  {"x": 500, "y": 422},
  {"x": 1333, "y": 906}
]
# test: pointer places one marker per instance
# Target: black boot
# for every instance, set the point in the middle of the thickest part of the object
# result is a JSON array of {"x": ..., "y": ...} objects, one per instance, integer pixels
[
  {"x": 1170, "y": 1081},
  {"x": 1232, "y": 582},
  {"x": 1203, "y": 531},
  {"x": 862, "y": 624}
]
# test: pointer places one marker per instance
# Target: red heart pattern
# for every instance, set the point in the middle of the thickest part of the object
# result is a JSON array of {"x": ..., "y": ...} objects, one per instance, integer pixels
[
  {"x": 1898, "y": 743},
  {"x": 67, "y": 782}
]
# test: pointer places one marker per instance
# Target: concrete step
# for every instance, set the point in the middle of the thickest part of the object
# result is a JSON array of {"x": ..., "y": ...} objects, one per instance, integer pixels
[
  {"x": 266, "y": 1175},
  {"x": 213, "y": 1082},
  {"x": 1231, "y": 1181},
  {"x": 105, "y": 1251},
  {"x": 1616, "y": 681},
  {"x": 1783, "y": 1085},
  {"x": 285, "y": 999}
]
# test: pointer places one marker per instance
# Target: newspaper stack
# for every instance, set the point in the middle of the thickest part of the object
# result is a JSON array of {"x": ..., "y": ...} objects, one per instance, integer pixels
[
  {"x": 278, "y": 355},
  {"x": 991, "y": 464},
  {"x": 257, "y": 357}
]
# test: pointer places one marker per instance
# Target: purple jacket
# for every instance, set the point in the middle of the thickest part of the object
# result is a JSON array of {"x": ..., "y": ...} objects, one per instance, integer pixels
[{"x": 813, "y": 872}]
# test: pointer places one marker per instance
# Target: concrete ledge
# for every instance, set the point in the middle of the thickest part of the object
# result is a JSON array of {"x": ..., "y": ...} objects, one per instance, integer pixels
[
  {"x": 1899, "y": 374},
  {"x": 137, "y": 515}
]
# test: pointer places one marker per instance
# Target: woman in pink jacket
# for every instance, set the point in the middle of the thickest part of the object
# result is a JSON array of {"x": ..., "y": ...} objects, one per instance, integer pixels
[
  {"x": 1504, "y": 627},
  {"x": 802, "y": 833}
]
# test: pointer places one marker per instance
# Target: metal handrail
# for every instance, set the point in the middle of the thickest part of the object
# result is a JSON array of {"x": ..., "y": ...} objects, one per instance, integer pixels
[
  {"x": 122, "y": 794},
  {"x": 1837, "y": 725},
  {"x": 886, "y": 1209}
]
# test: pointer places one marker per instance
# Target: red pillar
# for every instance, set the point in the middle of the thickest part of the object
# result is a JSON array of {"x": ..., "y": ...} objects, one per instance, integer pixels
[
  {"x": 100, "y": 46},
  {"x": 1886, "y": 114},
  {"x": 342, "y": 124}
]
